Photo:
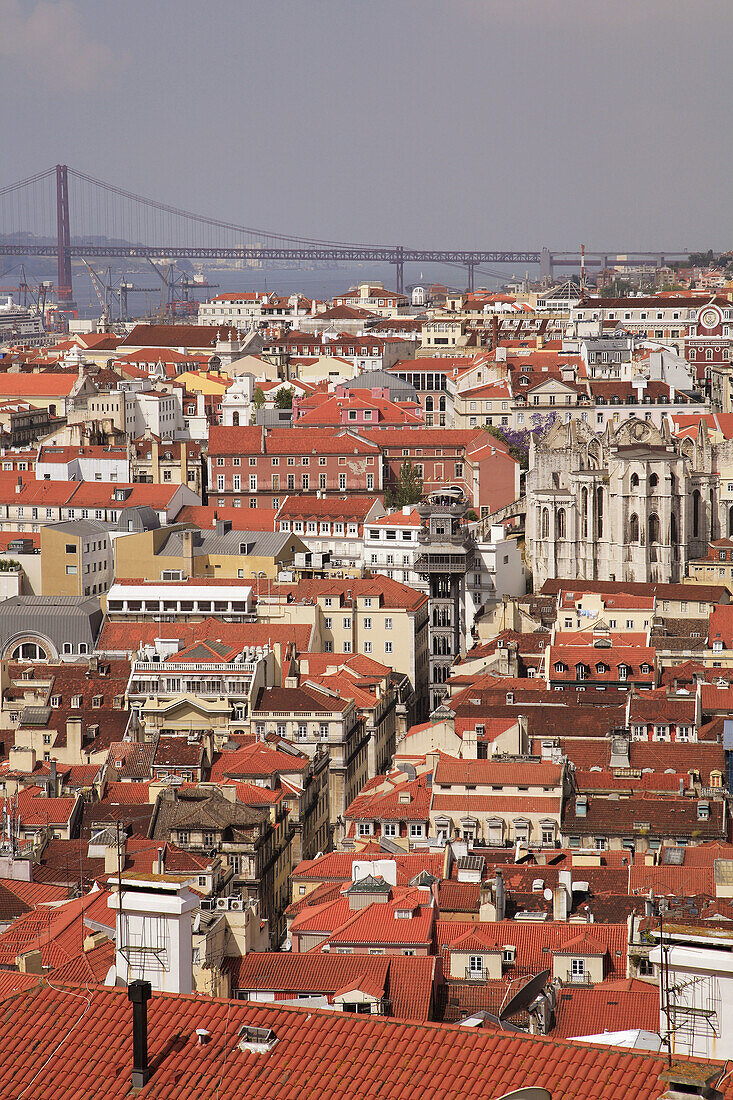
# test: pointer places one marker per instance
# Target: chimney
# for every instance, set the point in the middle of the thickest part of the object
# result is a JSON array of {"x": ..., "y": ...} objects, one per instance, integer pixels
[
  {"x": 559, "y": 903},
  {"x": 74, "y": 736},
  {"x": 29, "y": 962},
  {"x": 689, "y": 1080},
  {"x": 115, "y": 855},
  {"x": 499, "y": 896},
  {"x": 139, "y": 993},
  {"x": 187, "y": 552}
]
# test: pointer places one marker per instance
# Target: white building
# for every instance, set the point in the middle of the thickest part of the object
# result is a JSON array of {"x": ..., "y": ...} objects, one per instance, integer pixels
[
  {"x": 236, "y": 403},
  {"x": 174, "y": 598},
  {"x": 153, "y": 932},
  {"x": 83, "y": 464},
  {"x": 498, "y": 571},
  {"x": 696, "y": 1005},
  {"x": 391, "y": 546}
]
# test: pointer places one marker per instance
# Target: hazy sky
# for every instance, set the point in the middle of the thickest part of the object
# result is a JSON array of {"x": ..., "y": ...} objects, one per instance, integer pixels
[{"x": 485, "y": 123}]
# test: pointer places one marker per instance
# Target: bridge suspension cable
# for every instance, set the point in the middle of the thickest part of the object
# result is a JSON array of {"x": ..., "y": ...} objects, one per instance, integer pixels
[
  {"x": 27, "y": 182},
  {"x": 217, "y": 222}
]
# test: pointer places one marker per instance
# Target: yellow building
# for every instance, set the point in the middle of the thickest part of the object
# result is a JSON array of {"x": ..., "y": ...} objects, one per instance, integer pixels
[
  {"x": 717, "y": 565},
  {"x": 179, "y": 552},
  {"x": 379, "y": 617},
  {"x": 76, "y": 558}
]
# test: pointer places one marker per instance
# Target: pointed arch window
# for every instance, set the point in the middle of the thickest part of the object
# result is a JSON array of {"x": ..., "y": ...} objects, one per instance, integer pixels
[
  {"x": 653, "y": 528},
  {"x": 634, "y": 528}
]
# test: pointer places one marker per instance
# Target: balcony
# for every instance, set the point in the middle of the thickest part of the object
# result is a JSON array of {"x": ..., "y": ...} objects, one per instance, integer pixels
[
  {"x": 460, "y": 538},
  {"x": 443, "y": 563},
  {"x": 472, "y": 975},
  {"x": 578, "y": 979},
  {"x": 451, "y": 507}
]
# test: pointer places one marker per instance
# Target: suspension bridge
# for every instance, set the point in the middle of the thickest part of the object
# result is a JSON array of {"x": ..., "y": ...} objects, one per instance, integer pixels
[{"x": 36, "y": 217}]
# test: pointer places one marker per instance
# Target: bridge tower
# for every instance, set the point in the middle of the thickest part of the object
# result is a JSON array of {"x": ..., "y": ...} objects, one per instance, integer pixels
[
  {"x": 400, "y": 269},
  {"x": 63, "y": 246}
]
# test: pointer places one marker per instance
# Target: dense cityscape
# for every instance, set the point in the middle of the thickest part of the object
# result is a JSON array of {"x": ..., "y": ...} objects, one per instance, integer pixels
[{"x": 366, "y": 643}]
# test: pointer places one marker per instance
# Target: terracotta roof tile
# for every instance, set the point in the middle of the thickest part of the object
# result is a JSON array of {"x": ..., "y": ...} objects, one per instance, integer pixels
[{"x": 324, "y": 1054}]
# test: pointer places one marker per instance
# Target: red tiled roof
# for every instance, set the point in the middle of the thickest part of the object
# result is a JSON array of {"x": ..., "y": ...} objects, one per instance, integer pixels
[
  {"x": 459, "y": 897},
  {"x": 531, "y": 939},
  {"x": 485, "y": 803},
  {"x": 496, "y": 772},
  {"x": 621, "y": 1005},
  {"x": 242, "y": 519},
  {"x": 694, "y": 592},
  {"x": 44, "y": 384},
  {"x": 333, "y": 508},
  {"x": 258, "y": 760},
  {"x": 129, "y": 637},
  {"x": 323, "y": 664},
  {"x": 318, "y": 1053},
  {"x": 35, "y": 810},
  {"x": 381, "y": 800},
  {"x": 664, "y": 880},
  {"x": 337, "y": 866},
  {"x": 288, "y": 441},
  {"x": 377, "y": 924},
  {"x": 391, "y": 593},
  {"x": 117, "y": 793},
  {"x": 89, "y": 966},
  {"x": 298, "y": 701},
  {"x": 177, "y": 336},
  {"x": 406, "y": 982},
  {"x": 176, "y": 752},
  {"x": 57, "y": 932}
]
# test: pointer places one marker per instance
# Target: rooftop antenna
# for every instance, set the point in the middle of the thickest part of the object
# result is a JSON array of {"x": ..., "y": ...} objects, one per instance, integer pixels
[{"x": 664, "y": 988}]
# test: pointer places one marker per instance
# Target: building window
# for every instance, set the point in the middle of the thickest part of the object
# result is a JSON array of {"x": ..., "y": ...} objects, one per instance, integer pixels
[{"x": 577, "y": 968}]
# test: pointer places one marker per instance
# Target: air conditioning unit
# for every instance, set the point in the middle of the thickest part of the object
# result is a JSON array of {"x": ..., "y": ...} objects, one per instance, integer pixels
[
  {"x": 209, "y": 903},
  {"x": 236, "y": 905},
  {"x": 222, "y": 903}
]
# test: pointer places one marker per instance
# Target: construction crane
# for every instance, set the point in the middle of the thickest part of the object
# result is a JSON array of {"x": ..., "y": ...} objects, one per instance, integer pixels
[
  {"x": 175, "y": 288},
  {"x": 107, "y": 291},
  {"x": 101, "y": 290}
]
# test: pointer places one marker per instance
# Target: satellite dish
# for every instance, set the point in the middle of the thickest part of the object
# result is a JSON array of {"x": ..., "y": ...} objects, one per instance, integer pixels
[
  {"x": 547, "y": 894},
  {"x": 524, "y": 996},
  {"x": 532, "y": 1092}
]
